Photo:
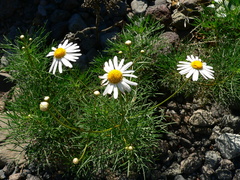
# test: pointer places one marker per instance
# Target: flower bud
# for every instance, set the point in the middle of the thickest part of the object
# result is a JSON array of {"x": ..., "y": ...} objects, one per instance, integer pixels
[
  {"x": 22, "y": 36},
  {"x": 46, "y": 98},
  {"x": 44, "y": 106},
  {"x": 75, "y": 161},
  {"x": 128, "y": 42},
  {"x": 30, "y": 39},
  {"x": 120, "y": 52},
  {"x": 142, "y": 51},
  {"x": 96, "y": 93}
]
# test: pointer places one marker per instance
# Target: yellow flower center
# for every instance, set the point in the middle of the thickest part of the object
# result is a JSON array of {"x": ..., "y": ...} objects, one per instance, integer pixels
[
  {"x": 115, "y": 76},
  {"x": 197, "y": 64},
  {"x": 59, "y": 53}
]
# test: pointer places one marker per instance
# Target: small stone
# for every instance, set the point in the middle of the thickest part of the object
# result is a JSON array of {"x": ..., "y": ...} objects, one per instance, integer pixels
[
  {"x": 191, "y": 164},
  {"x": 139, "y": 6},
  {"x": 229, "y": 145},
  {"x": 212, "y": 158},
  {"x": 202, "y": 118},
  {"x": 76, "y": 23},
  {"x": 224, "y": 174},
  {"x": 159, "y": 12}
]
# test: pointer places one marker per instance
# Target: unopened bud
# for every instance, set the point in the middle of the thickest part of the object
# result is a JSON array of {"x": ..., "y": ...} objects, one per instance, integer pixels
[
  {"x": 46, "y": 98},
  {"x": 75, "y": 161},
  {"x": 44, "y": 106},
  {"x": 96, "y": 93},
  {"x": 128, "y": 42},
  {"x": 120, "y": 52},
  {"x": 142, "y": 51},
  {"x": 22, "y": 36}
]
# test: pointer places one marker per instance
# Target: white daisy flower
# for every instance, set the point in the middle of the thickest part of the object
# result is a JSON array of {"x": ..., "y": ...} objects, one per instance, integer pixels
[
  {"x": 65, "y": 53},
  {"x": 194, "y": 67},
  {"x": 115, "y": 75}
]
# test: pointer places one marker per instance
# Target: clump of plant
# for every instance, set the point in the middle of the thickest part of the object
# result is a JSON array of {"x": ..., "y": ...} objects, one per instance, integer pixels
[{"x": 67, "y": 118}]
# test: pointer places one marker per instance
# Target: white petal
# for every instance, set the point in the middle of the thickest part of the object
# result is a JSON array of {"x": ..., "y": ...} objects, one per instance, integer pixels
[
  {"x": 120, "y": 64},
  {"x": 120, "y": 87},
  {"x": 126, "y": 86},
  {"x": 129, "y": 75},
  {"x": 66, "y": 63},
  {"x": 115, "y": 92},
  {"x": 115, "y": 62},
  {"x": 195, "y": 75},
  {"x": 50, "y": 54},
  {"x": 187, "y": 70},
  {"x": 111, "y": 64},
  {"x": 60, "y": 66},
  {"x": 53, "y": 64},
  {"x": 108, "y": 89},
  {"x": 130, "y": 82},
  {"x": 192, "y": 71},
  {"x": 126, "y": 66}
]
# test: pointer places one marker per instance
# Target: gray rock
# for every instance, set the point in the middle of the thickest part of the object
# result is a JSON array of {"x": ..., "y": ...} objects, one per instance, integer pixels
[
  {"x": 2, "y": 174},
  {"x": 41, "y": 10},
  {"x": 166, "y": 42},
  {"x": 215, "y": 133},
  {"x": 212, "y": 158},
  {"x": 139, "y": 6},
  {"x": 229, "y": 145},
  {"x": 237, "y": 175},
  {"x": 173, "y": 170},
  {"x": 59, "y": 16},
  {"x": 224, "y": 174},
  {"x": 160, "y": 12},
  {"x": 231, "y": 121},
  {"x": 179, "y": 177},
  {"x": 32, "y": 177},
  {"x": 8, "y": 8},
  {"x": 105, "y": 37},
  {"x": 59, "y": 30},
  {"x": 227, "y": 164},
  {"x": 16, "y": 176},
  {"x": 207, "y": 170},
  {"x": 202, "y": 118},
  {"x": 160, "y": 2},
  {"x": 76, "y": 23},
  {"x": 191, "y": 164}
]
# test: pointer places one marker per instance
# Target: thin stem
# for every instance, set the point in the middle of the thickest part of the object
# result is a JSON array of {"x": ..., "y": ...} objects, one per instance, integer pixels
[{"x": 170, "y": 96}]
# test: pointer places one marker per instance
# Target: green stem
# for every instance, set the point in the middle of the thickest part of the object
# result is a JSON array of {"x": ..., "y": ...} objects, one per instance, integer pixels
[{"x": 170, "y": 96}]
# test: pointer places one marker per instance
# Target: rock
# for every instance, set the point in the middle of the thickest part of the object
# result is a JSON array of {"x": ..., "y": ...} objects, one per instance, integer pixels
[
  {"x": 207, "y": 170},
  {"x": 237, "y": 175},
  {"x": 105, "y": 37},
  {"x": 16, "y": 176},
  {"x": 160, "y": 12},
  {"x": 160, "y": 2},
  {"x": 76, "y": 23},
  {"x": 9, "y": 168},
  {"x": 231, "y": 121},
  {"x": 2, "y": 174},
  {"x": 224, "y": 174},
  {"x": 167, "y": 41},
  {"x": 212, "y": 158},
  {"x": 32, "y": 177},
  {"x": 8, "y": 8},
  {"x": 70, "y": 5},
  {"x": 227, "y": 164},
  {"x": 201, "y": 118},
  {"x": 59, "y": 16},
  {"x": 173, "y": 170},
  {"x": 179, "y": 177},
  {"x": 139, "y": 6},
  {"x": 215, "y": 133},
  {"x": 59, "y": 30},
  {"x": 191, "y": 164},
  {"x": 229, "y": 145}
]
